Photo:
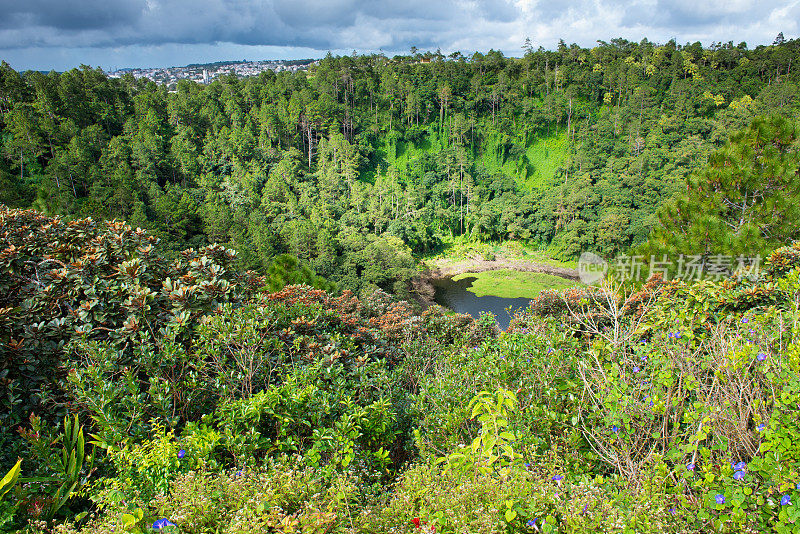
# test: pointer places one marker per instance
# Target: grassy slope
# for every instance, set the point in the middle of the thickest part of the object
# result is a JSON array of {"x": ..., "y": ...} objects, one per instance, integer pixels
[
  {"x": 513, "y": 284},
  {"x": 544, "y": 156}
]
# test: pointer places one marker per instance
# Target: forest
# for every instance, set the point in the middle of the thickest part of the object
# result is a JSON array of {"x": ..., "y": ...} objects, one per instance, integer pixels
[
  {"x": 205, "y": 314},
  {"x": 364, "y": 163}
]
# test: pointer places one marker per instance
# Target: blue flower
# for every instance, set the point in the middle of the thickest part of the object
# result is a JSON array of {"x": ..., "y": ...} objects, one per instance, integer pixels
[
  {"x": 531, "y": 522},
  {"x": 636, "y": 369},
  {"x": 644, "y": 358},
  {"x": 761, "y": 357},
  {"x": 162, "y": 523},
  {"x": 615, "y": 429},
  {"x": 738, "y": 475},
  {"x": 527, "y": 465},
  {"x": 181, "y": 453},
  {"x": 761, "y": 427},
  {"x": 740, "y": 466},
  {"x": 690, "y": 466},
  {"x": 798, "y": 485},
  {"x": 672, "y": 511},
  {"x": 720, "y": 498},
  {"x": 745, "y": 320},
  {"x": 786, "y": 500}
]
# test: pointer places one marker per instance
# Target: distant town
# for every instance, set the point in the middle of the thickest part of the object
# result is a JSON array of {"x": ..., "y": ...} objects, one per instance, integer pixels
[{"x": 207, "y": 72}]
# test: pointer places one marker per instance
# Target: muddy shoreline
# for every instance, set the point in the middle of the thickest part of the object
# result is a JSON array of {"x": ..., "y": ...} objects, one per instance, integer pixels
[{"x": 423, "y": 289}]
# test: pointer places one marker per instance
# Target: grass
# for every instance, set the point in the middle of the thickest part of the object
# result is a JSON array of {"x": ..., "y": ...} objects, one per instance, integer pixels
[
  {"x": 544, "y": 155},
  {"x": 513, "y": 284}
]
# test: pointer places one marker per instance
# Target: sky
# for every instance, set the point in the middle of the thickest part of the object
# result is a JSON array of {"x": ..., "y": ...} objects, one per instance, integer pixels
[{"x": 61, "y": 34}]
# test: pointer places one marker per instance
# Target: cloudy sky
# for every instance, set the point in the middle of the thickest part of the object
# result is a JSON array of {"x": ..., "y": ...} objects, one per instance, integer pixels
[{"x": 60, "y": 34}]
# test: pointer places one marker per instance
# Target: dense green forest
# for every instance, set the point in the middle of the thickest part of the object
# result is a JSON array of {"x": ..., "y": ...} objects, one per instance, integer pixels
[
  {"x": 202, "y": 324},
  {"x": 362, "y": 162}
]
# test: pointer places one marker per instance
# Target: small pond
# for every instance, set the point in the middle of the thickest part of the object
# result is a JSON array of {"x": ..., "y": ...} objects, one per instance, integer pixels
[{"x": 455, "y": 294}]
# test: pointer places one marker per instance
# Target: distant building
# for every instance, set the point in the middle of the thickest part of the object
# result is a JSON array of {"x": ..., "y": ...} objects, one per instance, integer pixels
[{"x": 205, "y": 76}]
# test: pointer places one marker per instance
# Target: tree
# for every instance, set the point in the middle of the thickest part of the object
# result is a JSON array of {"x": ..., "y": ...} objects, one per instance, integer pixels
[{"x": 746, "y": 201}]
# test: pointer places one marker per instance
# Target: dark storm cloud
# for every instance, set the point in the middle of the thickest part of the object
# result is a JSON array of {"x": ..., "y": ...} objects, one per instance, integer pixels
[
  {"x": 314, "y": 23},
  {"x": 70, "y": 16}
]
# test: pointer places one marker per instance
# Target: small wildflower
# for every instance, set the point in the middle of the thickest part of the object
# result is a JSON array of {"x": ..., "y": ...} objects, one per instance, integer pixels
[
  {"x": 585, "y": 508},
  {"x": 531, "y": 522},
  {"x": 181, "y": 453},
  {"x": 672, "y": 511},
  {"x": 615, "y": 429},
  {"x": 761, "y": 427},
  {"x": 527, "y": 465},
  {"x": 798, "y": 485},
  {"x": 761, "y": 357},
  {"x": 738, "y": 475},
  {"x": 690, "y": 466},
  {"x": 740, "y": 466},
  {"x": 416, "y": 522},
  {"x": 644, "y": 358},
  {"x": 636, "y": 369},
  {"x": 786, "y": 500},
  {"x": 745, "y": 320},
  {"x": 720, "y": 498},
  {"x": 162, "y": 523}
]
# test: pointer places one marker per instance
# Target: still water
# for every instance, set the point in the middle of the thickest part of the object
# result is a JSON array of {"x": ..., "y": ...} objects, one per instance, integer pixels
[{"x": 455, "y": 294}]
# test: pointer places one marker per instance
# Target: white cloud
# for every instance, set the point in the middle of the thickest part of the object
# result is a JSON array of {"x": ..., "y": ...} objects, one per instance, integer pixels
[{"x": 96, "y": 30}]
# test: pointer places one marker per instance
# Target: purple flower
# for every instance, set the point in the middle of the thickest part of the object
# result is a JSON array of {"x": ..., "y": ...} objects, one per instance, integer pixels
[
  {"x": 740, "y": 466},
  {"x": 558, "y": 479},
  {"x": 690, "y": 466},
  {"x": 761, "y": 427},
  {"x": 181, "y": 453},
  {"x": 527, "y": 465},
  {"x": 162, "y": 523},
  {"x": 786, "y": 500},
  {"x": 738, "y": 475},
  {"x": 531, "y": 522},
  {"x": 585, "y": 507},
  {"x": 644, "y": 358},
  {"x": 672, "y": 511},
  {"x": 761, "y": 357},
  {"x": 615, "y": 429},
  {"x": 745, "y": 320},
  {"x": 798, "y": 485},
  {"x": 636, "y": 369},
  {"x": 720, "y": 498}
]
